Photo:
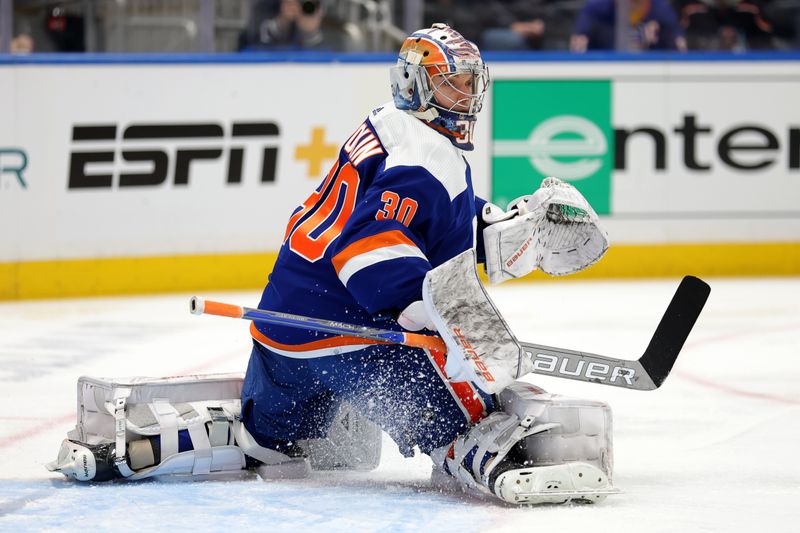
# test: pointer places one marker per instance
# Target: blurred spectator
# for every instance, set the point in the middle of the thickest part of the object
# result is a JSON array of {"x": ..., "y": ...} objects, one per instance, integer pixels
[
  {"x": 735, "y": 25},
  {"x": 66, "y": 30},
  {"x": 784, "y": 17},
  {"x": 515, "y": 25},
  {"x": 653, "y": 25},
  {"x": 22, "y": 44},
  {"x": 467, "y": 17},
  {"x": 506, "y": 24},
  {"x": 296, "y": 25}
]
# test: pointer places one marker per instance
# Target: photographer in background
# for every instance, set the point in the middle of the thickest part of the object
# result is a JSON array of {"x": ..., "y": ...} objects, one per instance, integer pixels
[
  {"x": 652, "y": 25},
  {"x": 294, "y": 25}
]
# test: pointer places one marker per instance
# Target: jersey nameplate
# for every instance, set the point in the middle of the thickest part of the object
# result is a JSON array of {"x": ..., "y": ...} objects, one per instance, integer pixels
[{"x": 361, "y": 145}]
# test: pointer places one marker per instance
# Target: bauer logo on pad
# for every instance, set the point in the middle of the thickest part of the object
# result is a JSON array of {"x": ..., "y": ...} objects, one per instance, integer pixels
[{"x": 469, "y": 350}]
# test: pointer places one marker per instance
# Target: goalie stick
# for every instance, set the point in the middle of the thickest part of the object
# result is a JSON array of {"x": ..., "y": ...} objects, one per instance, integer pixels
[
  {"x": 652, "y": 368},
  {"x": 646, "y": 373},
  {"x": 199, "y": 306}
]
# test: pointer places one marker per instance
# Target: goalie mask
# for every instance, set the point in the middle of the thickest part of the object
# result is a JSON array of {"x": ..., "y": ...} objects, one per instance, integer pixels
[{"x": 440, "y": 78}]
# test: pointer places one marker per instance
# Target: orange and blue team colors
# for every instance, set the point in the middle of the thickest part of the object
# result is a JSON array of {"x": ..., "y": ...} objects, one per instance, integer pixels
[
  {"x": 397, "y": 202},
  {"x": 391, "y": 208}
]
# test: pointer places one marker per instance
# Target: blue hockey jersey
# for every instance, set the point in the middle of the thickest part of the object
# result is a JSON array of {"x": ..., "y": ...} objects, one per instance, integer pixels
[{"x": 397, "y": 202}]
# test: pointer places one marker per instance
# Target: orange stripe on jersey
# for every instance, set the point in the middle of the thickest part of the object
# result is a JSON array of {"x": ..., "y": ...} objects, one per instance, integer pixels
[
  {"x": 466, "y": 394},
  {"x": 367, "y": 244},
  {"x": 332, "y": 342}
]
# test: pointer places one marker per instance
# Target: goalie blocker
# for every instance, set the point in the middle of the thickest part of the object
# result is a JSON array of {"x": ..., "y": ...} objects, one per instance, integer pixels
[{"x": 143, "y": 427}]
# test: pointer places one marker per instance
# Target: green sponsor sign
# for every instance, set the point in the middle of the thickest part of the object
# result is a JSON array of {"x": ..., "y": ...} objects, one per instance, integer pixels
[{"x": 552, "y": 128}]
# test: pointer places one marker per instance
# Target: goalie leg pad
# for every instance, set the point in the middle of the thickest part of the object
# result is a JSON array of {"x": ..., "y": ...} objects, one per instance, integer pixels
[
  {"x": 583, "y": 431},
  {"x": 142, "y": 427},
  {"x": 136, "y": 428},
  {"x": 538, "y": 448}
]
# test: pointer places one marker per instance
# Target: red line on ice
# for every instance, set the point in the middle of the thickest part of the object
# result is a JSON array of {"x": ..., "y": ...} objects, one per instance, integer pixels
[
  {"x": 745, "y": 333},
  {"x": 26, "y": 418},
  {"x": 733, "y": 390},
  {"x": 35, "y": 430}
]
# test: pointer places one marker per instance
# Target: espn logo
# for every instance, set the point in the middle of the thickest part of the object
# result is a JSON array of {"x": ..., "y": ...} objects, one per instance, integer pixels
[
  {"x": 480, "y": 367},
  {"x": 157, "y": 149}
]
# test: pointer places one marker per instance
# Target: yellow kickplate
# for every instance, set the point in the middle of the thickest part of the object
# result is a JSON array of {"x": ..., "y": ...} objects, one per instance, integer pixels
[{"x": 140, "y": 275}]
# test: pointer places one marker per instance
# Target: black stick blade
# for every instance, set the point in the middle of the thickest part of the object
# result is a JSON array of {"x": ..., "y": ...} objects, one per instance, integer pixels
[{"x": 674, "y": 328}]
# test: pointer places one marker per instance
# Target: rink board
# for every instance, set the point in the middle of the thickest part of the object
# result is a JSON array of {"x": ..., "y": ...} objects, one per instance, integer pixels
[{"x": 141, "y": 175}]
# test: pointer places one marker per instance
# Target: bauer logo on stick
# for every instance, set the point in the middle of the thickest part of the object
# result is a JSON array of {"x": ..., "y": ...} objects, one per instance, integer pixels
[{"x": 592, "y": 371}]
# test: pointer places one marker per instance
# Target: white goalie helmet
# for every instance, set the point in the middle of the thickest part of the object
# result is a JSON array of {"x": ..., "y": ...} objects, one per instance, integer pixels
[{"x": 440, "y": 78}]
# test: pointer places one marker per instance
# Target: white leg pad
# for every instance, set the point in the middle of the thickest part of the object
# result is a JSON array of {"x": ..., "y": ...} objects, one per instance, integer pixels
[
  {"x": 224, "y": 459},
  {"x": 142, "y": 416},
  {"x": 583, "y": 432},
  {"x": 535, "y": 448},
  {"x": 138, "y": 415}
]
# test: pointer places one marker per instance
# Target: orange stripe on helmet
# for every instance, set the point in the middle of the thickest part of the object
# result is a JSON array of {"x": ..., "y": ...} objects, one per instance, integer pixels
[{"x": 428, "y": 49}]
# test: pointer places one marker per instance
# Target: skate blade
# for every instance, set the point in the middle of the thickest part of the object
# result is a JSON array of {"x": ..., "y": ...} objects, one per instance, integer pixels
[
  {"x": 562, "y": 483},
  {"x": 564, "y": 496}
]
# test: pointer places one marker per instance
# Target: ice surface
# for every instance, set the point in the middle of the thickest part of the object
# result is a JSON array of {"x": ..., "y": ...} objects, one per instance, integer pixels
[{"x": 715, "y": 449}]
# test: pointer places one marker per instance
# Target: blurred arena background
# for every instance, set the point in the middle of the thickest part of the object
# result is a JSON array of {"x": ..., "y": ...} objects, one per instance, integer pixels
[{"x": 151, "y": 146}]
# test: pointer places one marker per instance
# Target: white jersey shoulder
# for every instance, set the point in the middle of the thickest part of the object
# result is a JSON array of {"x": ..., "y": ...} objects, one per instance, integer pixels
[{"x": 409, "y": 142}]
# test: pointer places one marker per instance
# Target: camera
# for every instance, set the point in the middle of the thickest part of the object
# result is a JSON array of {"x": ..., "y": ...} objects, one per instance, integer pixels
[{"x": 309, "y": 7}]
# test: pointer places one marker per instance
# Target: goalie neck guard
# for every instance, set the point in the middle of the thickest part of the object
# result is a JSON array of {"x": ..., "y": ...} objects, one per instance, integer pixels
[{"x": 441, "y": 79}]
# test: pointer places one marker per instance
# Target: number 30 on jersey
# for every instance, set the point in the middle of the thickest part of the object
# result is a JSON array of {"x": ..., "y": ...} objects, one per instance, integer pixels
[{"x": 395, "y": 209}]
